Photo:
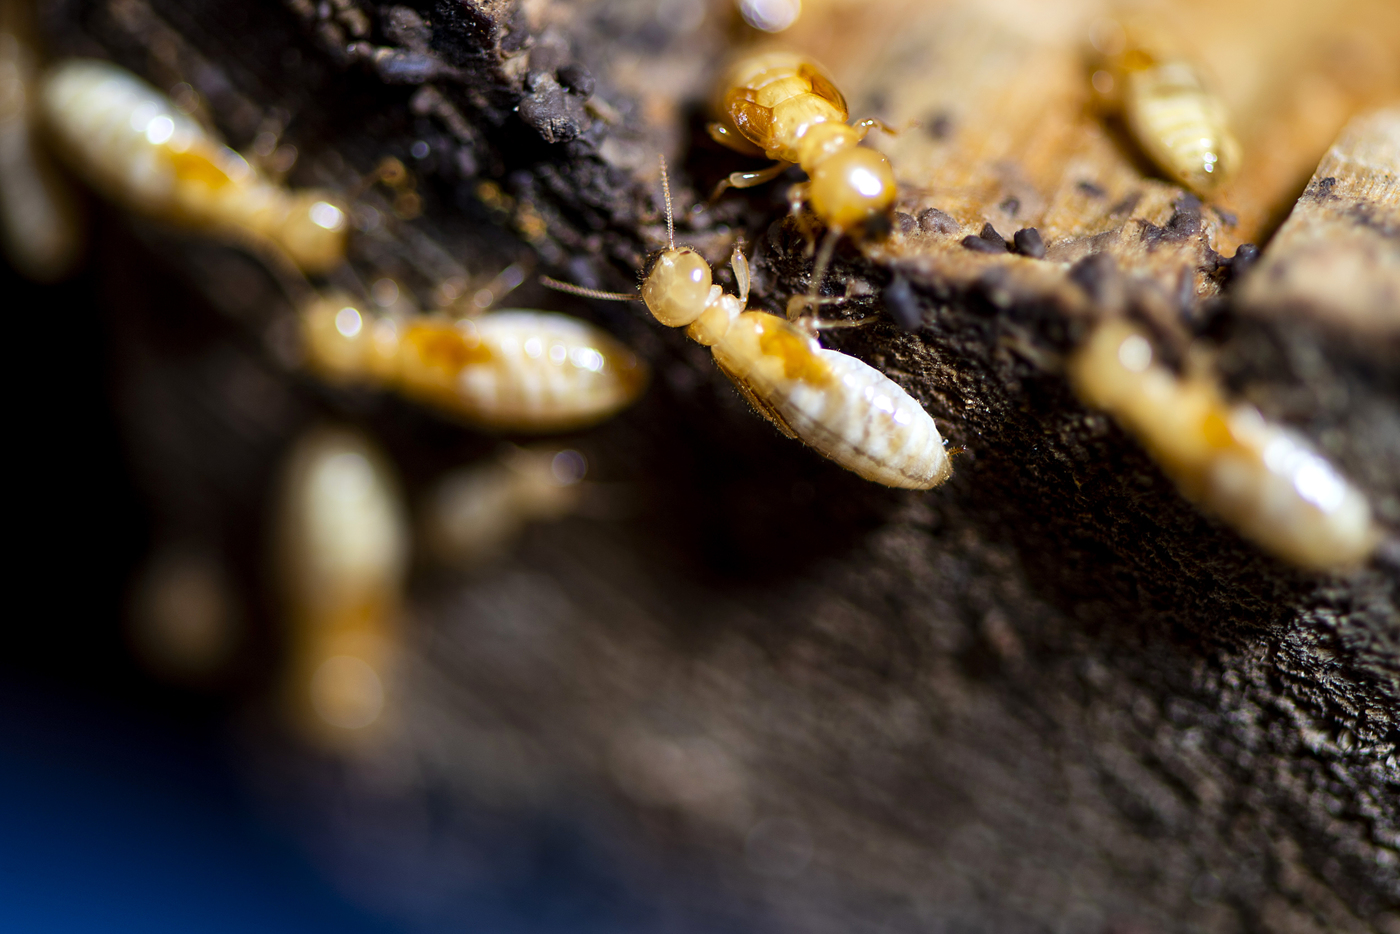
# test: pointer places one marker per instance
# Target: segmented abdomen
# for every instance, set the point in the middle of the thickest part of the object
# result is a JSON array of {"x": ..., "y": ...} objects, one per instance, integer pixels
[
  {"x": 1181, "y": 125},
  {"x": 519, "y": 370},
  {"x": 773, "y": 98},
  {"x": 128, "y": 140},
  {"x": 832, "y": 402}
]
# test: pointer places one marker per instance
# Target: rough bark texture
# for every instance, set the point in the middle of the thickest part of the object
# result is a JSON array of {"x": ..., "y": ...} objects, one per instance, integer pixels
[{"x": 1051, "y": 695}]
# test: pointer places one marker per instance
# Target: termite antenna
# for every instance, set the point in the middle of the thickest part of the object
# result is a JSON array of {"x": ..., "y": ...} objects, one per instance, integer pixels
[
  {"x": 501, "y": 285},
  {"x": 572, "y": 289},
  {"x": 670, "y": 218},
  {"x": 819, "y": 270}
]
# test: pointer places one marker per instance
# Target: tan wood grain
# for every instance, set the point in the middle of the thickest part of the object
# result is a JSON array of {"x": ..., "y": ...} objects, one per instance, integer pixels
[
  {"x": 1009, "y": 133},
  {"x": 1337, "y": 257}
]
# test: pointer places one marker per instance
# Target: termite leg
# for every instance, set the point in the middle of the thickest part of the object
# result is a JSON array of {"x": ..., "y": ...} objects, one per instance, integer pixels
[
  {"x": 798, "y": 306},
  {"x": 731, "y": 140},
  {"x": 872, "y": 122},
  {"x": 818, "y": 273},
  {"x": 749, "y": 179},
  {"x": 740, "y": 265}
]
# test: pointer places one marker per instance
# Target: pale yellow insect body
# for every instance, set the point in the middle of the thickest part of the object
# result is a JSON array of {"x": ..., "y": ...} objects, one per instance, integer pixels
[
  {"x": 342, "y": 554},
  {"x": 1174, "y": 115},
  {"x": 835, "y": 404},
  {"x": 39, "y": 219},
  {"x": 1261, "y": 478},
  {"x": 508, "y": 370},
  {"x": 475, "y": 513},
  {"x": 128, "y": 140},
  {"x": 1179, "y": 122}
]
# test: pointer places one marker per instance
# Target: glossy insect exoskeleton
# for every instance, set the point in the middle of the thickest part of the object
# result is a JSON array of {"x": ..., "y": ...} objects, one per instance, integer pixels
[
  {"x": 39, "y": 219},
  {"x": 783, "y": 105},
  {"x": 1180, "y": 123},
  {"x": 837, "y": 405},
  {"x": 130, "y": 142},
  {"x": 508, "y": 370},
  {"x": 1261, "y": 478},
  {"x": 342, "y": 553}
]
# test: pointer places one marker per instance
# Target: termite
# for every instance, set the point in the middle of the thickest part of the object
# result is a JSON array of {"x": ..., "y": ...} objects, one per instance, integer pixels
[
  {"x": 784, "y": 106},
  {"x": 342, "y": 553},
  {"x": 837, "y": 405},
  {"x": 1173, "y": 114},
  {"x": 473, "y": 513},
  {"x": 507, "y": 370},
  {"x": 1263, "y": 479},
  {"x": 131, "y": 143},
  {"x": 39, "y": 219}
]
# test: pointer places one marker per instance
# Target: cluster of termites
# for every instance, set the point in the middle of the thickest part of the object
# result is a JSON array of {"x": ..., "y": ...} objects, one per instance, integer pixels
[
  {"x": 342, "y": 532},
  {"x": 343, "y": 548},
  {"x": 837, "y": 405},
  {"x": 343, "y": 539},
  {"x": 517, "y": 370}
]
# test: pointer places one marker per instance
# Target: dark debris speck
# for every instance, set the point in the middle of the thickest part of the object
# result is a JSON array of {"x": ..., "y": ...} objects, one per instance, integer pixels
[
  {"x": 1321, "y": 190},
  {"x": 938, "y": 125},
  {"x": 903, "y": 304},
  {"x": 1028, "y": 243},
  {"x": 578, "y": 79},
  {"x": 1184, "y": 223},
  {"x": 932, "y": 220},
  {"x": 989, "y": 233},
  {"x": 1094, "y": 274},
  {"x": 983, "y": 245}
]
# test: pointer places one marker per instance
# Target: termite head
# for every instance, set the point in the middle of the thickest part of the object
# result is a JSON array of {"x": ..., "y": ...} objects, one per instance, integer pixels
[
  {"x": 854, "y": 190},
  {"x": 313, "y": 232},
  {"x": 677, "y": 286},
  {"x": 342, "y": 343}
]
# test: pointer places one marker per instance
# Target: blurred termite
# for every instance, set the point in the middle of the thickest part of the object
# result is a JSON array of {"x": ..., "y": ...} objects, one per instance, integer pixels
[
  {"x": 1173, "y": 114},
  {"x": 784, "y": 106},
  {"x": 837, "y": 405},
  {"x": 185, "y": 624},
  {"x": 474, "y": 513},
  {"x": 342, "y": 551},
  {"x": 131, "y": 143},
  {"x": 1261, "y": 478},
  {"x": 39, "y": 218},
  {"x": 507, "y": 370}
]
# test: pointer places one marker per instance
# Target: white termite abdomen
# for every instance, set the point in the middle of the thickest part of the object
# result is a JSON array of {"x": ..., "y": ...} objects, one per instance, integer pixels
[
  {"x": 129, "y": 141},
  {"x": 509, "y": 370},
  {"x": 1265, "y": 480},
  {"x": 834, "y": 403}
]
